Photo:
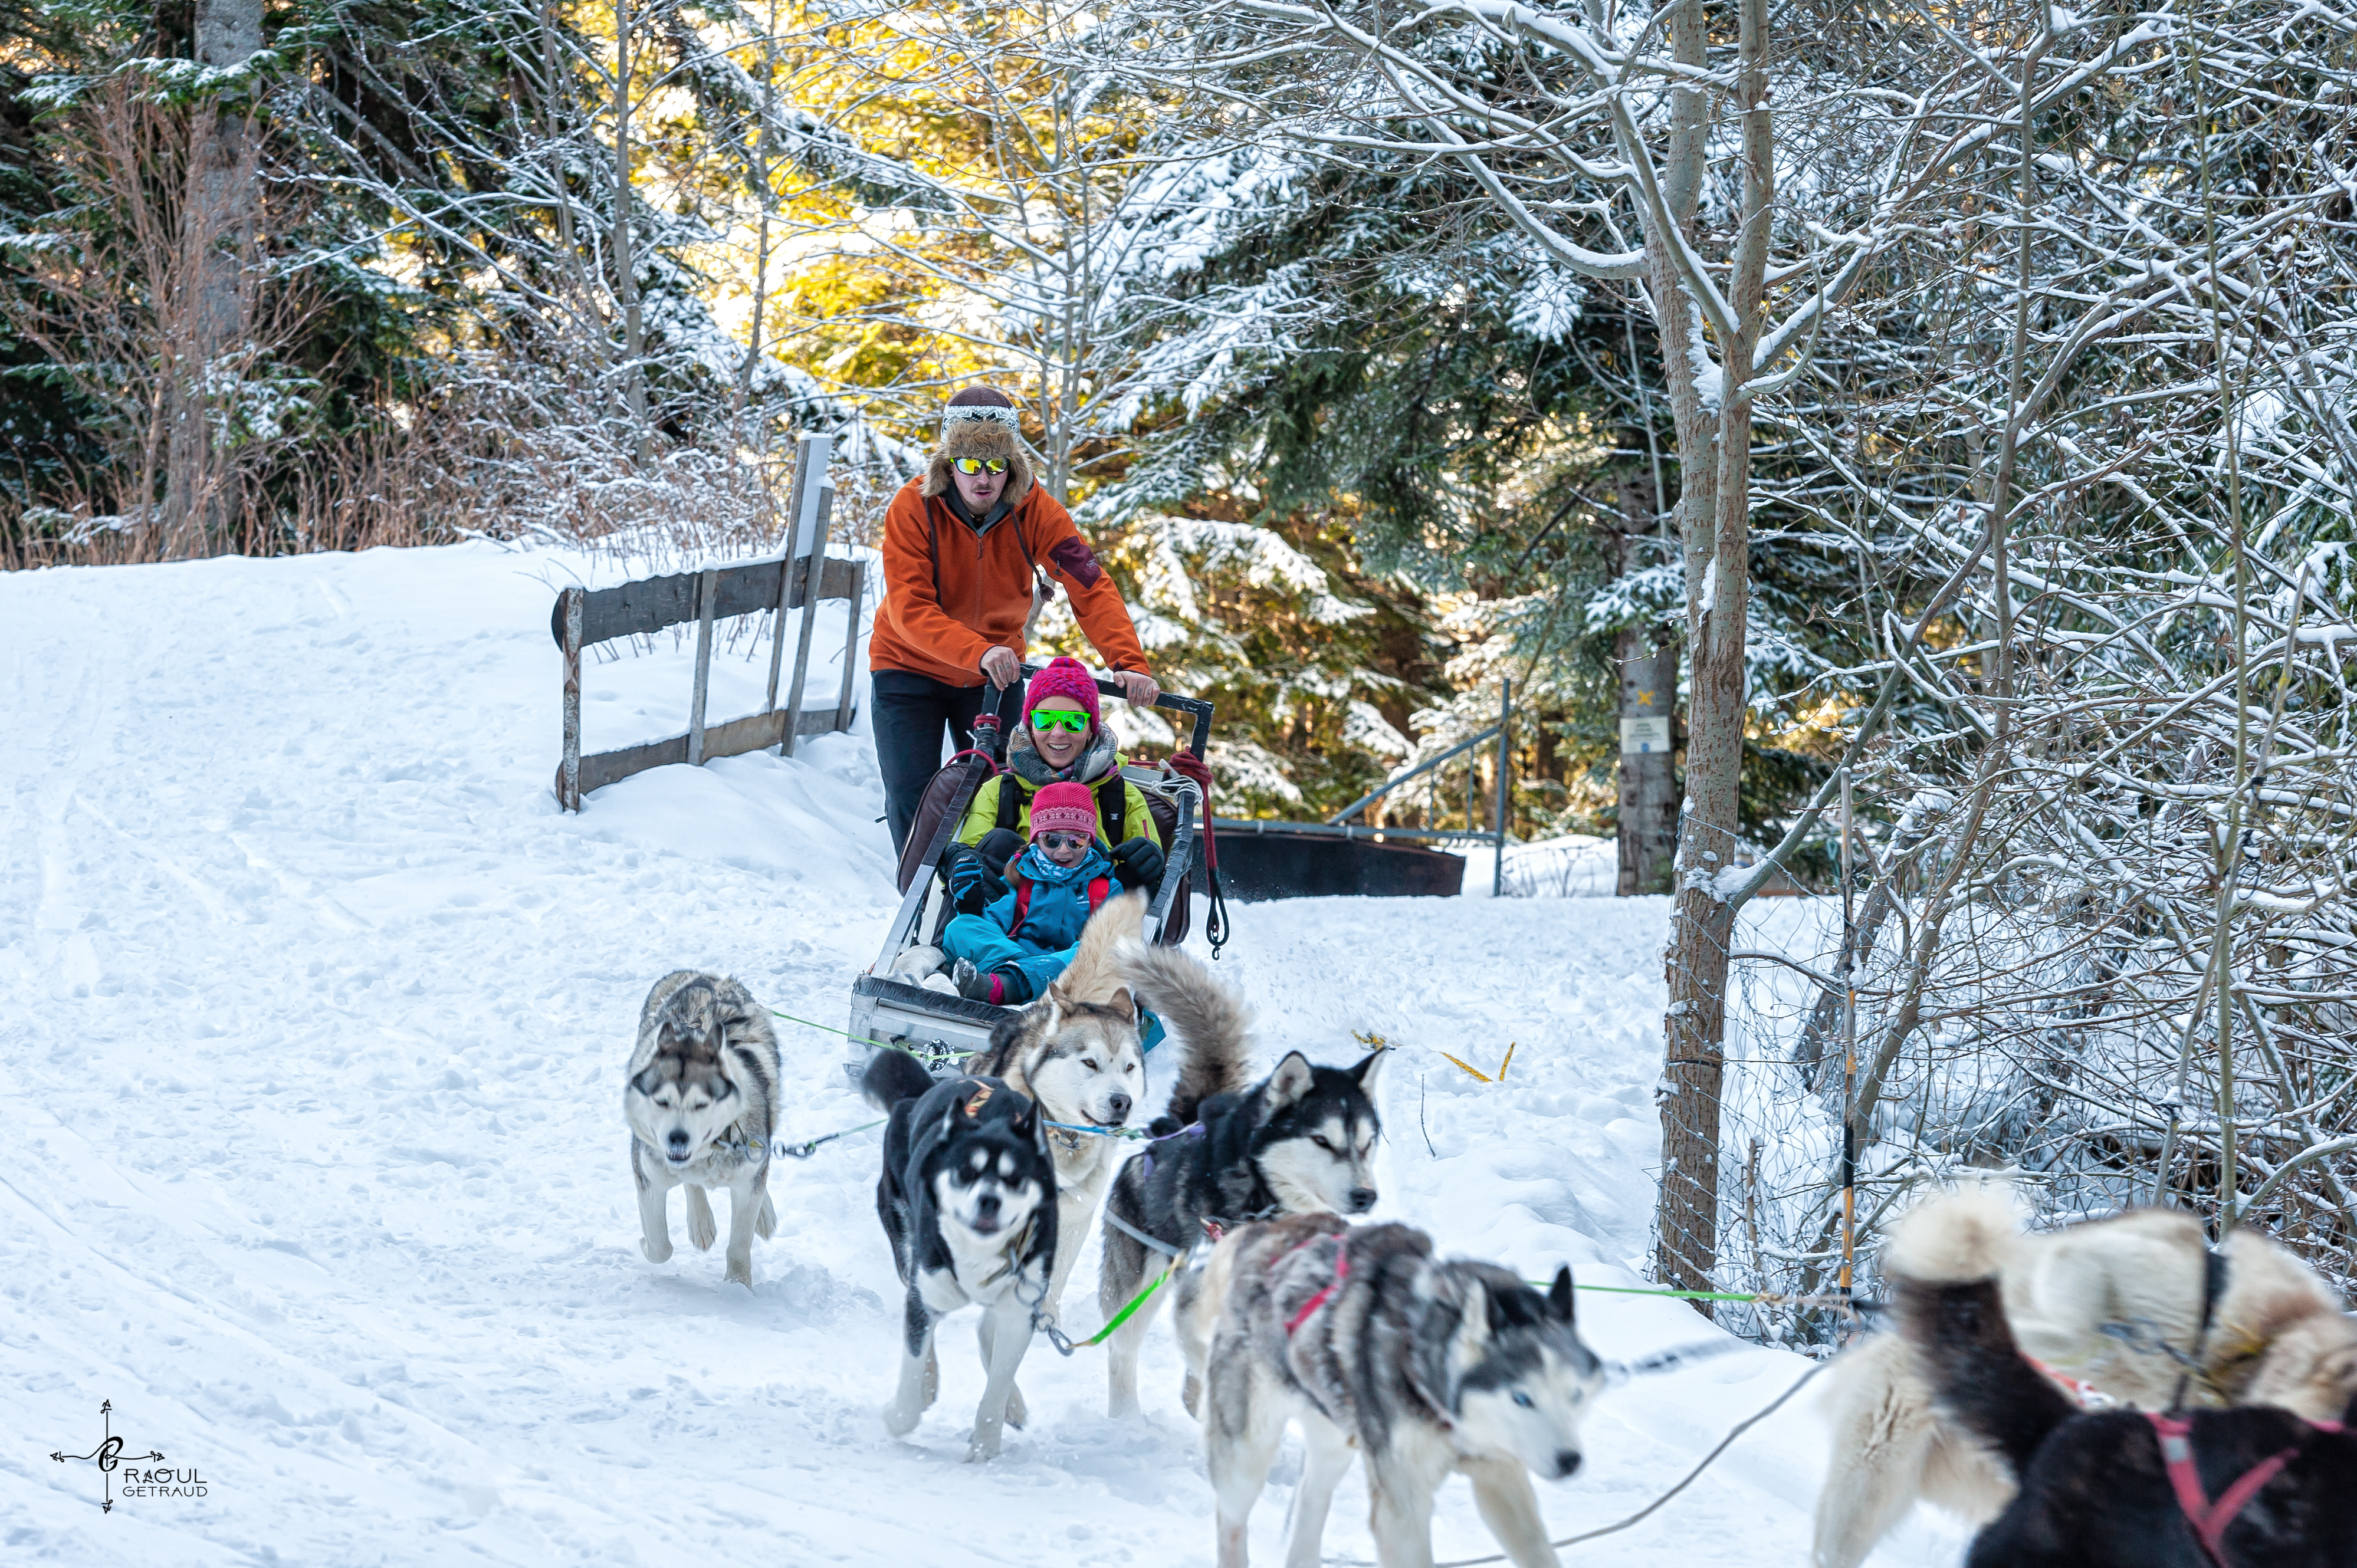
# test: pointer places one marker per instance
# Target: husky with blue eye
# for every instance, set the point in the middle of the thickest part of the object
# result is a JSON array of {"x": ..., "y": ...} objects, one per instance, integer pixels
[
  {"x": 968, "y": 1200},
  {"x": 702, "y": 1102}
]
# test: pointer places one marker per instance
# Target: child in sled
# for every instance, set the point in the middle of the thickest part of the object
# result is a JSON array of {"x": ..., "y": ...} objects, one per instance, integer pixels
[{"x": 1007, "y": 949}]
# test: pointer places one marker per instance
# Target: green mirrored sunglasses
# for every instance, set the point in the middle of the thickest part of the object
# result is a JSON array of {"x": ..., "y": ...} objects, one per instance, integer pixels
[
  {"x": 1070, "y": 723},
  {"x": 978, "y": 465}
]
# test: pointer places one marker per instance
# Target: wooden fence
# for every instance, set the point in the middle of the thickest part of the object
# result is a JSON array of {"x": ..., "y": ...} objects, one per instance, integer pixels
[{"x": 584, "y": 619}]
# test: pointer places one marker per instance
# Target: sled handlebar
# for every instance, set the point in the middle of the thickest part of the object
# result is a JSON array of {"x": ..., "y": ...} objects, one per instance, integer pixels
[{"x": 1195, "y": 708}]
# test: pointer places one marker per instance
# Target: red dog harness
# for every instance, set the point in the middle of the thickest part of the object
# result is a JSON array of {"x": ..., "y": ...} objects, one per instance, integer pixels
[
  {"x": 1342, "y": 1273},
  {"x": 2210, "y": 1520}
]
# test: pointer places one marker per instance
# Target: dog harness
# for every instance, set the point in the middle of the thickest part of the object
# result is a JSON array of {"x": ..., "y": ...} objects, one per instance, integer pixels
[
  {"x": 2210, "y": 1520},
  {"x": 1342, "y": 1273}
]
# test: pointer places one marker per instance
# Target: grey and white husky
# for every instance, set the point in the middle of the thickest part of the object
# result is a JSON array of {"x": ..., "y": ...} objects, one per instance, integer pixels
[
  {"x": 1423, "y": 1366},
  {"x": 702, "y": 1102}
]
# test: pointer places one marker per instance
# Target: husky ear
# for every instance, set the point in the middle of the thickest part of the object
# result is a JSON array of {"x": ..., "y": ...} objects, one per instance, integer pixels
[
  {"x": 1560, "y": 1298},
  {"x": 1051, "y": 1009},
  {"x": 1474, "y": 1323},
  {"x": 1123, "y": 1001},
  {"x": 1289, "y": 1082},
  {"x": 1367, "y": 1071}
]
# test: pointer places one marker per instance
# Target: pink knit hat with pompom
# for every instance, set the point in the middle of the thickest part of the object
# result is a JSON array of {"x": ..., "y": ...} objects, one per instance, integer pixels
[{"x": 1063, "y": 677}]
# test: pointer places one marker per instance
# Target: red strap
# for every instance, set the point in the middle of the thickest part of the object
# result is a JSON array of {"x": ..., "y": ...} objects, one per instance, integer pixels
[
  {"x": 1022, "y": 904},
  {"x": 1342, "y": 1273},
  {"x": 1099, "y": 887},
  {"x": 2210, "y": 1520}
]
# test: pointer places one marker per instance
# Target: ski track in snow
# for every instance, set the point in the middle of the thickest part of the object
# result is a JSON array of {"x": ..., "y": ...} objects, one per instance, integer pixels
[{"x": 311, "y": 1038}]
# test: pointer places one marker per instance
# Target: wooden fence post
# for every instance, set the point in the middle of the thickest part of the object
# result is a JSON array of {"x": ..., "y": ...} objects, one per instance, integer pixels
[
  {"x": 814, "y": 567},
  {"x": 569, "y": 790},
  {"x": 707, "y": 596},
  {"x": 851, "y": 647}
]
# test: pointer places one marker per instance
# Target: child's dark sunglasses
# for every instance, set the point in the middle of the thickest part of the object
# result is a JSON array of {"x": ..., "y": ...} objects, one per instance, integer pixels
[
  {"x": 1070, "y": 722},
  {"x": 1064, "y": 841},
  {"x": 980, "y": 465}
]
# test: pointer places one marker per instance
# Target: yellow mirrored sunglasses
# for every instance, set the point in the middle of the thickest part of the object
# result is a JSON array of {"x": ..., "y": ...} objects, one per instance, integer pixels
[{"x": 980, "y": 465}]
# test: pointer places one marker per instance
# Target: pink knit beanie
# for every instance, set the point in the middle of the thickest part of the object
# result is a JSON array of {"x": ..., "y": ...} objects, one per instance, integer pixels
[
  {"x": 1063, "y": 808},
  {"x": 1063, "y": 677}
]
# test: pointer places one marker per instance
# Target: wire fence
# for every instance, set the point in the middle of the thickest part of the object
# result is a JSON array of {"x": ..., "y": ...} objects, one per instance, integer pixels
[{"x": 2027, "y": 1004}]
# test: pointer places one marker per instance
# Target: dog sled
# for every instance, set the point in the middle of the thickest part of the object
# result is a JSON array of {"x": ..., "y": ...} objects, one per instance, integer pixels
[{"x": 891, "y": 1007}]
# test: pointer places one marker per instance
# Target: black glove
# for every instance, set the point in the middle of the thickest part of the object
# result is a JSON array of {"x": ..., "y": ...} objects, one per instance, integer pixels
[
  {"x": 999, "y": 848},
  {"x": 973, "y": 886},
  {"x": 1138, "y": 864}
]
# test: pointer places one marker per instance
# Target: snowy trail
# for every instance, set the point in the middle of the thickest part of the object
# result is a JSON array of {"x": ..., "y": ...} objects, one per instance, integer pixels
[{"x": 313, "y": 1011}]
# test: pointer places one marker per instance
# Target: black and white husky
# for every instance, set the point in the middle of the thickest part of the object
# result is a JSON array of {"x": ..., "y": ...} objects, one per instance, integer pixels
[
  {"x": 968, "y": 1201},
  {"x": 1425, "y": 1367},
  {"x": 1299, "y": 1141},
  {"x": 702, "y": 1102},
  {"x": 2269, "y": 1484}
]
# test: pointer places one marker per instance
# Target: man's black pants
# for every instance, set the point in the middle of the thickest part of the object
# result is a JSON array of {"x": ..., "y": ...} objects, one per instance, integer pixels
[{"x": 909, "y": 714}]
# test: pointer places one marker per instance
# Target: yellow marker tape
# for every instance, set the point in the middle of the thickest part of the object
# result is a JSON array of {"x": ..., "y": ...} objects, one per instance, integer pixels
[{"x": 1484, "y": 1077}]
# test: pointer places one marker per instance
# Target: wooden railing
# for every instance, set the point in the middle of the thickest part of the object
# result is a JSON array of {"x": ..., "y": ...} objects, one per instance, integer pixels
[{"x": 584, "y": 618}]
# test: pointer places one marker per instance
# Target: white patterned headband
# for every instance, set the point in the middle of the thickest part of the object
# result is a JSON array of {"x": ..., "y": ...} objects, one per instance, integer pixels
[{"x": 959, "y": 414}]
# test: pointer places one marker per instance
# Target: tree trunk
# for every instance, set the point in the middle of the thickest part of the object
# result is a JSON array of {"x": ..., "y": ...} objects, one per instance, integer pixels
[
  {"x": 626, "y": 267},
  {"x": 208, "y": 322},
  {"x": 1648, "y": 814},
  {"x": 1718, "y": 550}
]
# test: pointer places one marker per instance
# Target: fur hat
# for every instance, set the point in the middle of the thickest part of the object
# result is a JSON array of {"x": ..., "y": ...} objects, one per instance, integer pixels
[
  {"x": 982, "y": 422},
  {"x": 1064, "y": 677},
  {"x": 1063, "y": 808}
]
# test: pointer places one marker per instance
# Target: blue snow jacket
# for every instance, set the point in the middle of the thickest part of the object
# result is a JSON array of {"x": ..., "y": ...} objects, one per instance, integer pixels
[{"x": 1049, "y": 902}]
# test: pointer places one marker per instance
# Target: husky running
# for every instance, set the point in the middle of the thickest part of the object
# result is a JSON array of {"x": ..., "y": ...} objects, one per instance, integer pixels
[
  {"x": 968, "y": 1201},
  {"x": 1422, "y": 1366},
  {"x": 1299, "y": 1141},
  {"x": 702, "y": 1102}
]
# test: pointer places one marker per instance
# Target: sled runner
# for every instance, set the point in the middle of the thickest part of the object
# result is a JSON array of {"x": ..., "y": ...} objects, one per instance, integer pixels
[{"x": 889, "y": 1008}]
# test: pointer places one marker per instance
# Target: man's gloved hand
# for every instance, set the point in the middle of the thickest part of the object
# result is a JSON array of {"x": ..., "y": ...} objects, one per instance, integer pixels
[
  {"x": 1137, "y": 863},
  {"x": 973, "y": 886}
]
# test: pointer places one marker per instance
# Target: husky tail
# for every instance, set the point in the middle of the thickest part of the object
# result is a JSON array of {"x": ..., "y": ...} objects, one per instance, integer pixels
[
  {"x": 1206, "y": 1013},
  {"x": 892, "y": 1077},
  {"x": 1096, "y": 973},
  {"x": 1944, "y": 1260}
]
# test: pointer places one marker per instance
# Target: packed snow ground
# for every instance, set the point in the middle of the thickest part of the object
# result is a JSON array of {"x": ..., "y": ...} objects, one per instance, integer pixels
[{"x": 313, "y": 1015}]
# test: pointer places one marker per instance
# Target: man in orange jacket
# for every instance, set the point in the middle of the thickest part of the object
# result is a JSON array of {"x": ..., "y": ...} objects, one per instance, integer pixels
[{"x": 963, "y": 547}]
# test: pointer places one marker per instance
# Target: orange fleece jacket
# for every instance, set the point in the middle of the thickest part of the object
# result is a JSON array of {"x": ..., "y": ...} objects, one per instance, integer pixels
[{"x": 951, "y": 594}]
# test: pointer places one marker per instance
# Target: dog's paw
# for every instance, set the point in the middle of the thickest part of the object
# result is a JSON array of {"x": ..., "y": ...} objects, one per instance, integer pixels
[
  {"x": 656, "y": 1247},
  {"x": 700, "y": 1227},
  {"x": 899, "y": 1419},
  {"x": 984, "y": 1446},
  {"x": 1017, "y": 1413},
  {"x": 740, "y": 1272}
]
